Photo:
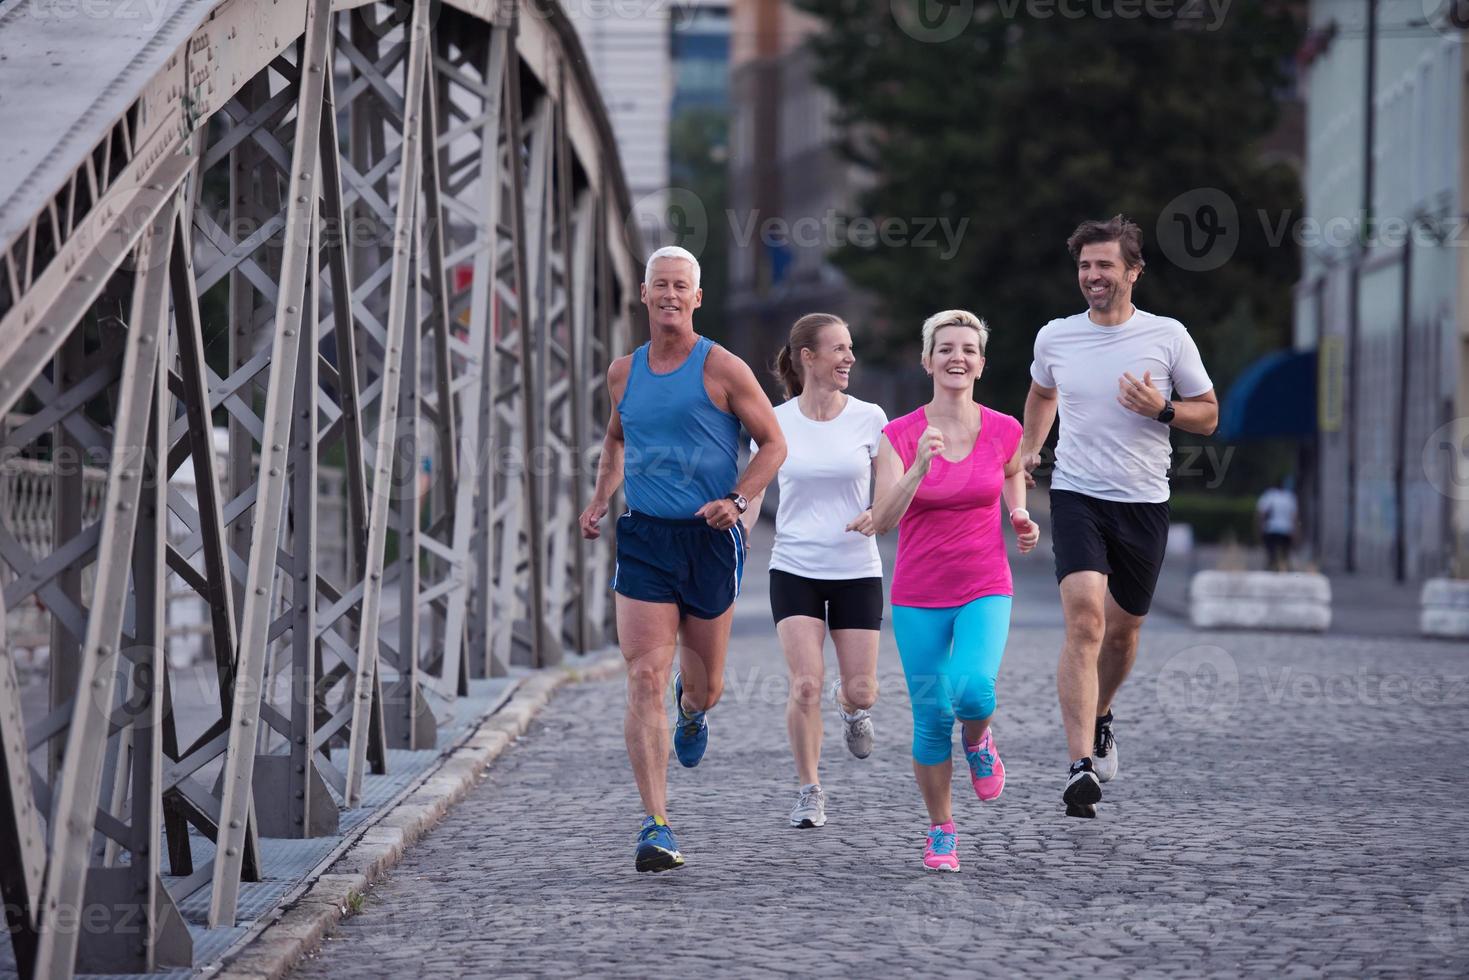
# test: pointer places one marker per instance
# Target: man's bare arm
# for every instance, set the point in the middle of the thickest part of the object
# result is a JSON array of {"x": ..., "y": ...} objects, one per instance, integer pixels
[
  {"x": 1040, "y": 415},
  {"x": 1199, "y": 414},
  {"x": 752, "y": 513},
  {"x": 609, "y": 465},
  {"x": 748, "y": 403}
]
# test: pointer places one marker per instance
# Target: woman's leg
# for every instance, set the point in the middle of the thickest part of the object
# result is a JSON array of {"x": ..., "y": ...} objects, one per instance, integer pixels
[
  {"x": 855, "y": 616},
  {"x": 857, "y": 662},
  {"x": 924, "y": 639},
  {"x": 980, "y": 632},
  {"x": 799, "y": 611},
  {"x": 803, "y": 638}
]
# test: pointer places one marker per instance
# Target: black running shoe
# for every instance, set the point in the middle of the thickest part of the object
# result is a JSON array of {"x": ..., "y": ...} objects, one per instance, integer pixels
[{"x": 1083, "y": 789}]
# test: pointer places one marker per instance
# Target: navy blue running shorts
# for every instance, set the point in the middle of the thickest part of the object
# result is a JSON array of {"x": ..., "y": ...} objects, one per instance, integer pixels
[{"x": 684, "y": 562}]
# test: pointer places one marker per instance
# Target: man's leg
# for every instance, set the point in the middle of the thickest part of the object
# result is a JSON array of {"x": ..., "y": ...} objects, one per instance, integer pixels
[
  {"x": 648, "y": 633},
  {"x": 1118, "y": 652},
  {"x": 704, "y": 643},
  {"x": 1136, "y": 545},
  {"x": 1083, "y": 604}
]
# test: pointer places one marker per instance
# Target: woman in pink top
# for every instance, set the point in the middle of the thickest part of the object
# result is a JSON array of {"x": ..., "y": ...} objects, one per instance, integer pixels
[{"x": 941, "y": 474}]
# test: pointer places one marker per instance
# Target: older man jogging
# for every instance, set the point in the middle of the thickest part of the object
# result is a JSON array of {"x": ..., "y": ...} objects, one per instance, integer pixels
[
  {"x": 1121, "y": 379},
  {"x": 677, "y": 406}
]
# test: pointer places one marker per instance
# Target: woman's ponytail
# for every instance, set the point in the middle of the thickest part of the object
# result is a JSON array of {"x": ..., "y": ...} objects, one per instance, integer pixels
[{"x": 787, "y": 372}]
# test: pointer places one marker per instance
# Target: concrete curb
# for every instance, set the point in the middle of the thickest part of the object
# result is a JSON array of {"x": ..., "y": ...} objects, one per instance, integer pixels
[{"x": 299, "y": 928}]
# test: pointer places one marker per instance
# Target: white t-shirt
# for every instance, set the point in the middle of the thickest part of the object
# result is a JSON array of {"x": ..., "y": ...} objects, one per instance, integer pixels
[
  {"x": 1105, "y": 450},
  {"x": 1277, "y": 509},
  {"x": 825, "y": 482}
]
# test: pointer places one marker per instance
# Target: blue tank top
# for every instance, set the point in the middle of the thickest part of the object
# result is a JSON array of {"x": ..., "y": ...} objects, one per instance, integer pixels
[{"x": 680, "y": 450}]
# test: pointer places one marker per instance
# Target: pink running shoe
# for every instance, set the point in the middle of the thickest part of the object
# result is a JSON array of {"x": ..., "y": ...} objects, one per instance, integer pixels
[
  {"x": 985, "y": 768},
  {"x": 942, "y": 851}
]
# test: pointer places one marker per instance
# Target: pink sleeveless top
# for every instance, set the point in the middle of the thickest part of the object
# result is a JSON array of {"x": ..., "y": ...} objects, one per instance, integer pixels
[{"x": 951, "y": 542}]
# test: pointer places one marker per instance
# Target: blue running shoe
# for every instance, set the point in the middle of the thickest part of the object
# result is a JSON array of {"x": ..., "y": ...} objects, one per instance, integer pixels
[
  {"x": 657, "y": 850},
  {"x": 690, "y": 732}
]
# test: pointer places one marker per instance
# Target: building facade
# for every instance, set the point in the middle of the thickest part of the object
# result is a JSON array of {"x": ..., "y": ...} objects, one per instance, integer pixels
[
  {"x": 1384, "y": 294},
  {"x": 789, "y": 189},
  {"x": 627, "y": 46}
]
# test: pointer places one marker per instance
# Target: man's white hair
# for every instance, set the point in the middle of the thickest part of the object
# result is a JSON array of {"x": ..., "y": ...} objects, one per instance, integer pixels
[{"x": 671, "y": 252}]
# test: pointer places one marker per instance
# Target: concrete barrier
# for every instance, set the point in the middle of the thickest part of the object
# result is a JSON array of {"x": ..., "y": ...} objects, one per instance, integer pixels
[
  {"x": 1445, "y": 608},
  {"x": 1260, "y": 600}
]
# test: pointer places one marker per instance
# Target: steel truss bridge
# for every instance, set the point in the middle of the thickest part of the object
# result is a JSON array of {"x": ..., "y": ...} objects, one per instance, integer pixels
[{"x": 382, "y": 239}]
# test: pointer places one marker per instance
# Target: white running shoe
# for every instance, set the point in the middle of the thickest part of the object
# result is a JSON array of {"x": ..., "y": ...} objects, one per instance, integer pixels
[
  {"x": 1104, "y": 749},
  {"x": 856, "y": 727},
  {"x": 810, "y": 808}
]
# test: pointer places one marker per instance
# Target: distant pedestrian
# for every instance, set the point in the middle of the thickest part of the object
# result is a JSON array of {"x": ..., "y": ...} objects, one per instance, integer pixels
[
  {"x": 1121, "y": 378},
  {"x": 825, "y": 572},
  {"x": 942, "y": 472},
  {"x": 677, "y": 405},
  {"x": 1277, "y": 523}
]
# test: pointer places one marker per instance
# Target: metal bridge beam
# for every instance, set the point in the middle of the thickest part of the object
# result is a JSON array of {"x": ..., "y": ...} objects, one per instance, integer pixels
[{"x": 385, "y": 245}]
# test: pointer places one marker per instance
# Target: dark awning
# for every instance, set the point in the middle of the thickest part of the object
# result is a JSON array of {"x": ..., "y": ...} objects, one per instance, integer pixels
[{"x": 1273, "y": 398}]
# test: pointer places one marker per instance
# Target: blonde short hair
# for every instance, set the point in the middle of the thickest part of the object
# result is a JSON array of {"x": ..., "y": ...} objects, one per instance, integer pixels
[{"x": 954, "y": 318}]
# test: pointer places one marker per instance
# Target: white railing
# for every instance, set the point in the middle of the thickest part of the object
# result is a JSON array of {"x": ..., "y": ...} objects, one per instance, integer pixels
[{"x": 26, "y": 514}]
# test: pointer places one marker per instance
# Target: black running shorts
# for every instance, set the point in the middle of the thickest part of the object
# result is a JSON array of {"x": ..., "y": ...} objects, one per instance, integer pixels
[
  {"x": 843, "y": 604},
  {"x": 1123, "y": 541}
]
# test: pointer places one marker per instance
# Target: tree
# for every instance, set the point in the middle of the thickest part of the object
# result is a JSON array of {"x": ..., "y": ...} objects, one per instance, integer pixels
[
  {"x": 697, "y": 150},
  {"x": 1034, "y": 118}
]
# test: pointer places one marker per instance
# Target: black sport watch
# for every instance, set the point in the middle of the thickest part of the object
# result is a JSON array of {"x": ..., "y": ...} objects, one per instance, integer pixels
[
  {"x": 739, "y": 501},
  {"x": 1166, "y": 416}
]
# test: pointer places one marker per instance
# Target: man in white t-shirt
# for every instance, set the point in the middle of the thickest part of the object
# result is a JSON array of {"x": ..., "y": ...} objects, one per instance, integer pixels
[
  {"x": 1276, "y": 522},
  {"x": 1120, "y": 378}
]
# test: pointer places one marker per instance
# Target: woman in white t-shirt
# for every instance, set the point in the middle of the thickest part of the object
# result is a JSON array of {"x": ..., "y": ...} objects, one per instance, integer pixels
[{"x": 825, "y": 573}]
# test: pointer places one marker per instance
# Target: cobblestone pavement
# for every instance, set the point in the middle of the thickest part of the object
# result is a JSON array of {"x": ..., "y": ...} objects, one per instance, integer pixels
[{"x": 1286, "y": 806}]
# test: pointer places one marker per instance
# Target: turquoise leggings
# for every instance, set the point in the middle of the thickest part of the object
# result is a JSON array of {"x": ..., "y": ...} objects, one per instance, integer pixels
[{"x": 950, "y": 657}]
